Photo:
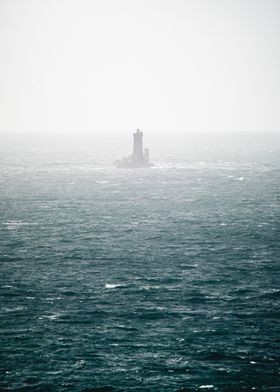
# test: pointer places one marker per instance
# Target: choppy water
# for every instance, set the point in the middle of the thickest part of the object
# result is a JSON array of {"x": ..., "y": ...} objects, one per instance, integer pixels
[{"x": 161, "y": 279}]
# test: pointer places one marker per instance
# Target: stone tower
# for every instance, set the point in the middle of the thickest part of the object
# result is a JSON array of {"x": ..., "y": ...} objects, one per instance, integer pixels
[
  {"x": 138, "y": 158},
  {"x": 137, "y": 155}
]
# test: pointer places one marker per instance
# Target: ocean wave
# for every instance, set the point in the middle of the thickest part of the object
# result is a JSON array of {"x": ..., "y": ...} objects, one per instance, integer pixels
[{"x": 113, "y": 285}]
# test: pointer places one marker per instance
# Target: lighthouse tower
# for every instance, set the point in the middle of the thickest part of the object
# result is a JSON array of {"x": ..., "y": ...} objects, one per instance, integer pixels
[
  {"x": 138, "y": 158},
  {"x": 137, "y": 155}
]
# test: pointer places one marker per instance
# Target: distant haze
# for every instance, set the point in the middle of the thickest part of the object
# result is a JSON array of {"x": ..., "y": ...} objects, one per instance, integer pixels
[{"x": 160, "y": 65}]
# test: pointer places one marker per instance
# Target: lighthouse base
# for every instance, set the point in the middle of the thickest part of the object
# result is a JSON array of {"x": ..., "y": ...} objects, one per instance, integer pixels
[{"x": 130, "y": 163}]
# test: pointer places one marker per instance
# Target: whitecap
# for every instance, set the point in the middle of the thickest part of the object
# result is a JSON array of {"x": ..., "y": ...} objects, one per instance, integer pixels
[
  {"x": 112, "y": 285},
  {"x": 150, "y": 287},
  {"x": 79, "y": 364},
  {"x": 16, "y": 309},
  {"x": 102, "y": 182},
  {"x": 15, "y": 224},
  {"x": 18, "y": 224},
  {"x": 52, "y": 316},
  {"x": 206, "y": 386}
]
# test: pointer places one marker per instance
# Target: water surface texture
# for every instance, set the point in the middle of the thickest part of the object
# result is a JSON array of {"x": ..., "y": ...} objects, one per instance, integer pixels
[{"x": 161, "y": 279}]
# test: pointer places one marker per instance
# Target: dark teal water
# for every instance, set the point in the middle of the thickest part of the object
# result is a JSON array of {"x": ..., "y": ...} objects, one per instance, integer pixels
[{"x": 161, "y": 279}]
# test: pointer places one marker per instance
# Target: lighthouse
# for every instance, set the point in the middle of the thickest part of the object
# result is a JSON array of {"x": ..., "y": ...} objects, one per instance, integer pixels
[
  {"x": 137, "y": 155},
  {"x": 139, "y": 158}
]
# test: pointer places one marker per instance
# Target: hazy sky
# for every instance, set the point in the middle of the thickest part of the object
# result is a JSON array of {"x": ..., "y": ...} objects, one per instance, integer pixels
[{"x": 160, "y": 65}]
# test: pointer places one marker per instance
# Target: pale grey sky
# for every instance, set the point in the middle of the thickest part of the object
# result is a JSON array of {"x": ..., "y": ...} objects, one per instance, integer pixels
[{"x": 160, "y": 65}]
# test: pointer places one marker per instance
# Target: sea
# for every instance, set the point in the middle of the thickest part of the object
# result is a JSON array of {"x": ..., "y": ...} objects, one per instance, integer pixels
[{"x": 163, "y": 279}]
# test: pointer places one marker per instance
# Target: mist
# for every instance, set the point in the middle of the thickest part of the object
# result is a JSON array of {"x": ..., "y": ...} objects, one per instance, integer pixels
[
  {"x": 139, "y": 195},
  {"x": 163, "y": 66}
]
